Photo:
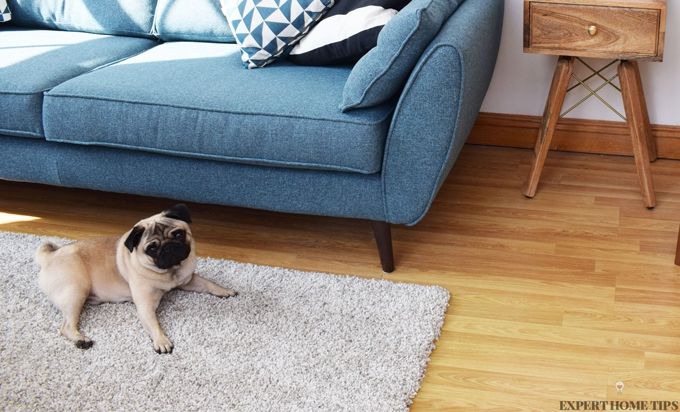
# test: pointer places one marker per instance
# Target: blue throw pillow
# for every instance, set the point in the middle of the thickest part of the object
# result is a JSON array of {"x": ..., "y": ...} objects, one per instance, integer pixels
[
  {"x": 5, "y": 14},
  {"x": 347, "y": 32},
  {"x": 384, "y": 70},
  {"x": 268, "y": 29}
]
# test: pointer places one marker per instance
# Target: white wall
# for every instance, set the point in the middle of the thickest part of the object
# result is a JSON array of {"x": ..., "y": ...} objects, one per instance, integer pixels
[{"x": 521, "y": 81}]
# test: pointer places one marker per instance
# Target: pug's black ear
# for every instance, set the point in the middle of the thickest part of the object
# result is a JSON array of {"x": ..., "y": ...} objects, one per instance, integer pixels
[
  {"x": 179, "y": 212},
  {"x": 135, "y": 237}
]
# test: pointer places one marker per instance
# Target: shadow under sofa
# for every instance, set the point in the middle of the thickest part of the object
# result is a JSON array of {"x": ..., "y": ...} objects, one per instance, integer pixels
[{"x": 179, "y": 118}]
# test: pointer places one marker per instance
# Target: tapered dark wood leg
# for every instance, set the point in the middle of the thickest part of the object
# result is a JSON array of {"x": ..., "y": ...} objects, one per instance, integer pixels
[
  {"x": 383, "y": 238},
  {"x": 677, "y": 251}
]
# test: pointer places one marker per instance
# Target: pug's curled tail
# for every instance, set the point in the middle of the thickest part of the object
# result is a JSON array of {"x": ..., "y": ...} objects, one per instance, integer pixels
[{"x": 46, "y": 248}]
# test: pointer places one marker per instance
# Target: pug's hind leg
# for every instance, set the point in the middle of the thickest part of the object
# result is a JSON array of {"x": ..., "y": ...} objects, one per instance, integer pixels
[
  {"x": 202, "y": 285},
  {"x": 71, "y": 306}
]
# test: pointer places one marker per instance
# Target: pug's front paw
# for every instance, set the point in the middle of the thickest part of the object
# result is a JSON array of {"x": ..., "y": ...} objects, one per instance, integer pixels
[
  {"x": 162, "y": 345},
  {"x": 227, "y": 293}
]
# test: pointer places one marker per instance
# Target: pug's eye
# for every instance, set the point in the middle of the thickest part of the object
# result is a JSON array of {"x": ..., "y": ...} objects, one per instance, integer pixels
[
  {"x": 151, "y": 250},
  {"x": 179, "y": 235}
]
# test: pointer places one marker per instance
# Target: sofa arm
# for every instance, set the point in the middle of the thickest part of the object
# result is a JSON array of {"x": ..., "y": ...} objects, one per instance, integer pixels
[{"x": 438, "y": 108}]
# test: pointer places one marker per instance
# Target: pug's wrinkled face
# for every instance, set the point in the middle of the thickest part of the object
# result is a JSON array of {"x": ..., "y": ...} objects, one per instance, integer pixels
[
  {"x": 166, "y": 246},
  {"x": 162, "y": 241}
]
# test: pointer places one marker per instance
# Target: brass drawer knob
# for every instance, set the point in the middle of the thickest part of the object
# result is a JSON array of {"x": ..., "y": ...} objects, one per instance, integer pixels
[{"x": 592, "y": 30}]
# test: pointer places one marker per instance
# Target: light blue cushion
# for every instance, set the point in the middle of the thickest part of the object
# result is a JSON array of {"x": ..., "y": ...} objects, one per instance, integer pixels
[
  {"x": 382, "y": 72},
  {"x": 195, "y": 100},
  {"x": 193, "y": 20},
  {"x": 33, "y": 61},
  {"x": 122, "y": 17},
  {"x": 268, "y": 29}
]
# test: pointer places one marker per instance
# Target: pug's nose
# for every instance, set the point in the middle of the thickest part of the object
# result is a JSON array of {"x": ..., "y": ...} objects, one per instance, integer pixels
[{"x": 173, "y": 254}]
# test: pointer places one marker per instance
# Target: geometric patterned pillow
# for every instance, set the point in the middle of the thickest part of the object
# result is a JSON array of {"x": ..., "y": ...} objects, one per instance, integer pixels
[
  {"x": 268, "y": 29},
  {"x": 5, "y": 14}
]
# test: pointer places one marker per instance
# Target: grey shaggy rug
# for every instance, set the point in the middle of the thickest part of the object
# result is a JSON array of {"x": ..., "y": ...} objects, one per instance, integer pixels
[{"x": 289, "y": 341}]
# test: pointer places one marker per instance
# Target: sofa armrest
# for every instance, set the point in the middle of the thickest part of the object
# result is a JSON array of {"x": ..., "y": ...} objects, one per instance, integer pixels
[{"x": 438, "y": 107}]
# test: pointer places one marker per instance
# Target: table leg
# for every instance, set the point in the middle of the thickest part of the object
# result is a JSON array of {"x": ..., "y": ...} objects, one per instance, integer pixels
[
  {"x": 640, "y": 129},
  {"x": 651, "y": 144},
  {"x": 677, "y": 251},
  {"x": 558, "y": 89}
]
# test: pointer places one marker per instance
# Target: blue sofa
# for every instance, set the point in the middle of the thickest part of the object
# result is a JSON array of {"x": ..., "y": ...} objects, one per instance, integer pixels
[{"x": 150, "y": 97}]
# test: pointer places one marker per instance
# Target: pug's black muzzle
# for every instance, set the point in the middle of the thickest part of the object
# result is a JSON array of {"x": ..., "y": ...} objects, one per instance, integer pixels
[{"x": 172, "y": 254}]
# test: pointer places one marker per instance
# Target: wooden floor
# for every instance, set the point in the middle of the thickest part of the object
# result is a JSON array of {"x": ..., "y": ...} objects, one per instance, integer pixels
[{"x": 554, "y": 299}]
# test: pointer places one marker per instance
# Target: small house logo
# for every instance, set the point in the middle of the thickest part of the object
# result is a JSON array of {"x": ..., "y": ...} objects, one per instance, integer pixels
[{"x": 619, "y": 387}]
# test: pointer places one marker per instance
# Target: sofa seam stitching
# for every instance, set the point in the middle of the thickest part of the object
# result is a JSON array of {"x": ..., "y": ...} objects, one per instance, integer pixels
[
  {"x": 222, "y": 158},
  {"x": 381, "y": 120}
]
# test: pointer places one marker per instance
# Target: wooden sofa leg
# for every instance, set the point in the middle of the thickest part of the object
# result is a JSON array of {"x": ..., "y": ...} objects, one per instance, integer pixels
[{"x": 383, "y": 238}]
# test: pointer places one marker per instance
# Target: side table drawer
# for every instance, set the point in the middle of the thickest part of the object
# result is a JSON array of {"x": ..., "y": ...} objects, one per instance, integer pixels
[{"x": 593, "y": 31}]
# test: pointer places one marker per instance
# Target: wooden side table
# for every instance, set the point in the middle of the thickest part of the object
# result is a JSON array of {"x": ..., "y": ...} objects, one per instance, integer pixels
[{"x": 625, "y": 30}]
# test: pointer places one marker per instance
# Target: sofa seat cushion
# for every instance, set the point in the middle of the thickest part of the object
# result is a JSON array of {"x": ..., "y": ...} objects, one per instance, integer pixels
[
  {"x": 34, "y": 61},
  {"x": 195, "y": 99}
]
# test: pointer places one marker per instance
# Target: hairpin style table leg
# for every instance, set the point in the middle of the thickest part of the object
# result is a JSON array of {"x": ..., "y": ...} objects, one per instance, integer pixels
[
  {"x": 644, "y": 147},
  {"x": 558, "y": 90}
]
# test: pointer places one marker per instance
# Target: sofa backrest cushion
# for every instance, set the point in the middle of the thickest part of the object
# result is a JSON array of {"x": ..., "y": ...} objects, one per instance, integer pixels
[
  {"x": 382, "y": 72},
  {"x": 192, "y": 20},
  {"x": 120, "y": 17}
]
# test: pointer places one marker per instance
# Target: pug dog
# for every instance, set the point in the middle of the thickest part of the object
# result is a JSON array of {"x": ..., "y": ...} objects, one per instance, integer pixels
[{"x": 154, "y": 257}]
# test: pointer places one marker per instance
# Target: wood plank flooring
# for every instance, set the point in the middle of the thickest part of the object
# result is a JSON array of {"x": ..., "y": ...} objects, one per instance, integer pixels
[{"x": 554, "y": 299}]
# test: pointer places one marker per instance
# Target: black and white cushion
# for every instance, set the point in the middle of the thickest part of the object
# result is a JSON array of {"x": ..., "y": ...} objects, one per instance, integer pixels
[{"x": 347, "y": 32}]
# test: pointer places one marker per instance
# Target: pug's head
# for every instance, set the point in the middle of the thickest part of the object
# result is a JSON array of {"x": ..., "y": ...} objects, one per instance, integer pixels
[{"x": 162, "y": 241}]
